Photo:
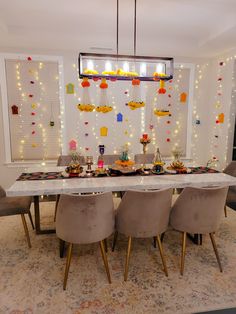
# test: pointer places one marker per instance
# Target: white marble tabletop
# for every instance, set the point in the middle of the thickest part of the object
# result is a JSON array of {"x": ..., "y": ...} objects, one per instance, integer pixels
[{"x": 123, "y": 183}]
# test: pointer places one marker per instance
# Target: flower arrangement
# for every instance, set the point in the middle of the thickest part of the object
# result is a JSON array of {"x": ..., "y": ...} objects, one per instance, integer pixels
[
  {"x": 161, "y": 113},
  {"x": 104, "y": 109},
  {"x": 135, "y": 105},
  {"x": 92, "y": 72},
  {"x": 85, "y": 107}
]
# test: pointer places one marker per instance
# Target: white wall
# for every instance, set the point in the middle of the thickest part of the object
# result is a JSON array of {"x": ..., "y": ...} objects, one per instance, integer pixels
[{"x": 203, "y": 109}]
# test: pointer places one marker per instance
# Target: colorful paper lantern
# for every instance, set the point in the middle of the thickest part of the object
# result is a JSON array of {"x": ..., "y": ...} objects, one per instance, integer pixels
[{"x": 103, "y": 131}]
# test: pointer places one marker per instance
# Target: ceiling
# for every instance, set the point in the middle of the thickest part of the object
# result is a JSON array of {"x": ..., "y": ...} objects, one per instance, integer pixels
[{"x": 194, "y": 28}]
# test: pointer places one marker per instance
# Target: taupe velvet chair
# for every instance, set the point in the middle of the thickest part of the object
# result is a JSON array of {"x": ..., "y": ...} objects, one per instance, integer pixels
[
  {"x": 64, "y": 160},
  {"x": 141, "y": 159},
  {"x": 110, "y": 159},
  {"x": 83, "y": 219},
  {"x": 144, "y": 214},
  {"x": 198, "y": 211},
  {"x": 10, "y": 206},
  {"x": 231, "y": 196}
]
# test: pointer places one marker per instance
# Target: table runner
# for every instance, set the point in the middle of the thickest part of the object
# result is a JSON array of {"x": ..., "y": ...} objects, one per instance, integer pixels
[{"x": 57, "y": 175}]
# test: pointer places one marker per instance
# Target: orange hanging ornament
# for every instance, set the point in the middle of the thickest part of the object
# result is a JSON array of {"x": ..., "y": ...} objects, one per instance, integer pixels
[
  {"x": 85, "y": 82},
  {"x": 103, "y": 84},
  {"x": 162, "y": 89}
]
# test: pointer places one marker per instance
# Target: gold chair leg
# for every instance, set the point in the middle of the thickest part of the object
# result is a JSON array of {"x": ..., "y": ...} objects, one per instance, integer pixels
[
  {"x": 225, "y": 210},
  {"x": 162, "y": 255},
  {"x": 57, "y": 201},
  {"x": 127, "y": 259},
  {"x": 104, "y": 257},
  {"x": 216, "y": 251},
  {"x": 26, "y": 229},
  {"x": 68, "y": 260},
  {"x": 184, "y": 234}
]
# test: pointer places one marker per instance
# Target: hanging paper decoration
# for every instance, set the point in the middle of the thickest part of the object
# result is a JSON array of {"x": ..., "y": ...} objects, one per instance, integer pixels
[
  {"x": 34, "y": 105},
  {"x": 162, "y": 113},
  {"x": 70, "y": 88},
  {"x": 34, "y": 145},
  {"x": 29, "y": 59},
  {"x": 103, "y": 131},
  {"x": 86, "y": 122},
  {"x": 33, "y": 123},
  {"x": 72, "y": 145},
  {"x": 220, "y": 118},
  {"x": 14, "y": 109},
  {"x": 183, "y": 97},
  {"x": 31, "y": 96},
  {"x": 85, "y": 104},
  {"x": 31, "y": 82},
  {"x": 136, "y": 101},
  {"x": 151, "y": 126},
  {"x": 103, "y": 101},
  {"x": 198, "y": 121},
  {"x": 162, "y": 89},
  {"x": 168, "y": 139},
  {"x": 119, "y": 117}
]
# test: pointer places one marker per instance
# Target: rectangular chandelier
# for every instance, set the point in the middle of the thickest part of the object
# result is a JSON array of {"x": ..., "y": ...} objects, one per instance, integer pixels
[{"x": 125, "y": 68}]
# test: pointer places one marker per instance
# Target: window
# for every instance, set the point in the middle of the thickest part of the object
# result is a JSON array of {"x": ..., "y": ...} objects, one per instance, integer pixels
[{"x": 32, "y": 107}]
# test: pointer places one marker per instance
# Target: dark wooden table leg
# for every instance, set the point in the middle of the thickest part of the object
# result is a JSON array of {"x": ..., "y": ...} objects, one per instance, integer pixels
[
  {"x": 196, "y": 238},
  {"x": 62, "y": 248},
  {"x": 37, "y": 218}
]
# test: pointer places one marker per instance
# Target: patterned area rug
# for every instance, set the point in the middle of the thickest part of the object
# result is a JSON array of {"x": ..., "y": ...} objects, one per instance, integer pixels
[{"x": 31, "y": 279}]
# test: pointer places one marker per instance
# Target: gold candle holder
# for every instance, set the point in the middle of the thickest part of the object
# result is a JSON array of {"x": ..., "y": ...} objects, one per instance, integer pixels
[{"x": 145, "y": 141}]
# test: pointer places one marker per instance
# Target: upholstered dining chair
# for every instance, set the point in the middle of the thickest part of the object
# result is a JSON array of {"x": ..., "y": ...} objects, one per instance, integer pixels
[
  {"x": 231, "y": 196},
  {"x": 198, "y": 211},
  {"x": 10, "y": 206},
  {"x": 141, "y": 158},
  {"x": 144, "y": 214},
  {"x": 110, "y": 159},
  {"x": 84, "y": 219},
  {"x": 64, "y": 160}
]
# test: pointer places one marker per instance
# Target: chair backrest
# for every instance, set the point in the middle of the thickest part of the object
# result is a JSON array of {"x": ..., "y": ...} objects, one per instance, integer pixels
[
  {"x": 141, "y": 158},
  {"x": 143, "y": 214},
  {"x": 231, "y": 169},
  {"x": 110, "y": 159},
  {"x": 64, "y": 160},
  {"x": 85, "y": 218},
  {"x": 2, "y": 192},
  {"x": 198, "y": 210}
]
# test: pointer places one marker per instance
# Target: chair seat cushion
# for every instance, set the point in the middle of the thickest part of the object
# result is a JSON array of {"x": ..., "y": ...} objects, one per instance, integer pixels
[{"x": 14, "y": 205}]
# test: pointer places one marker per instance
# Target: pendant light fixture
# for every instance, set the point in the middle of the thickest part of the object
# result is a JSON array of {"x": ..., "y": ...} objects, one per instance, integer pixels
[{"x": 125, "y": 67}]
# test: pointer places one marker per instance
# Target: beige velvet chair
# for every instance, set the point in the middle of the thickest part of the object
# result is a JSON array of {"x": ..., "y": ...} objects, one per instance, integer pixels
[
  {"x": 10, "y": 206},
  {"x": 110, "y": 159},
  {"x": 144, "y": 159},
  {"x": 198, "y": 211},
  {"x": 64, "y": 160},
  {"x": 83, "y": 219},
  {"x": 144, "y": 214},
  {"x": 231, "y": 196}
]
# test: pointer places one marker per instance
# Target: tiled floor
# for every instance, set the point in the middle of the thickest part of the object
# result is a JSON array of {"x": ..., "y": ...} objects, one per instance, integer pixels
[{"x": 31, "y": 279}]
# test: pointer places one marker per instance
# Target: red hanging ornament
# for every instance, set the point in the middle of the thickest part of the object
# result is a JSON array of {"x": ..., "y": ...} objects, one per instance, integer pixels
[
  {"x": 33, "y": 132},
  {"x": 32, "y": 113},
  {"x": 31, "y": 82},
  {"x": 168, "y": 139},
  {"x": 33, "y": 123},
  {"x": 31, "y": 96},
  {"x": 29, "y": 59}
]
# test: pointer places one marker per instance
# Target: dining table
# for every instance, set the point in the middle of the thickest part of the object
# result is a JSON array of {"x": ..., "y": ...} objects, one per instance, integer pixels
[{"x": 52, "y": 184}]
